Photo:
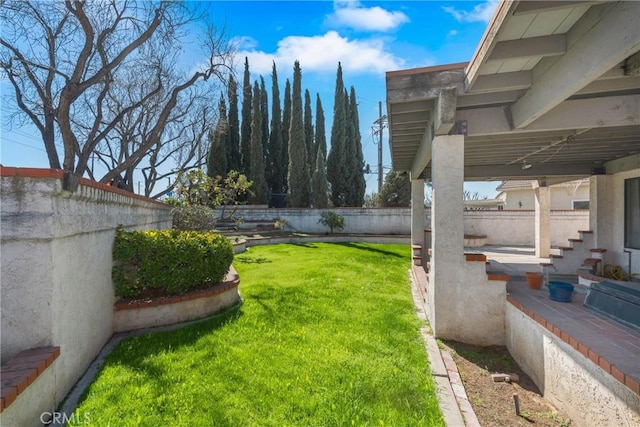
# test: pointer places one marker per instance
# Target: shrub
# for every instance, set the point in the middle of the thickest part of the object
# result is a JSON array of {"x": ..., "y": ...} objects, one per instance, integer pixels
[
  {"x": 332, "y": 220},
  {"x": 173, "y": 261},
  {"x": 194, "y": 218}
]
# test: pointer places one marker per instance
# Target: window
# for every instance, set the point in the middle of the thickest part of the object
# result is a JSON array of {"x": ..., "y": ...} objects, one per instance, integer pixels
[
  {"x": 632, "y": 213},
  {"x": 580, "y": 204}
]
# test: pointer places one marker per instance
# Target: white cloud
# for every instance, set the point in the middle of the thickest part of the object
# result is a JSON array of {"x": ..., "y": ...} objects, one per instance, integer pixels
[
  {"x": 322, "y": 53},
  {"x": 244, "y": 42},
  {"x": 480, "y": 13},
  {"x": 351, "y": 14}
]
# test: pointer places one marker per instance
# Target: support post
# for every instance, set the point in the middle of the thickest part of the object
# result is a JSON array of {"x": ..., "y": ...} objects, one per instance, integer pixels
[
  {"x": 417, "y": 213},
  {"x": 447, "y": 232},
  {"x": 542, "y": 219},
  {"x": 601, "y": 211}
]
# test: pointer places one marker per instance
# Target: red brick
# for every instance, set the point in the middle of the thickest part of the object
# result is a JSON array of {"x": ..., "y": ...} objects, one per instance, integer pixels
[
  {"x": 584, "y": 350},
  {"x": 632, "y": 383},
  {"x": 594, "y": 357},
  {"x": 564, "y": 336},
  {"x": 18, "y": 379},
  {"x": 573, "y": 342},
  {"x": 617, "y": 373},
  {"x": 9, "y": 394},
  {"x": 605, "y": 365}
]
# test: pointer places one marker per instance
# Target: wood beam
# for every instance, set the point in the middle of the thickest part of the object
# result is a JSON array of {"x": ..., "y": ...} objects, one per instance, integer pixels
[
  {"x": 423, "y": 155},
  {"x": 494, "y": 98},
  {"x": 597, "y": 112},
  {"x": 553, "y": 45},
  {"x": 516, "y": 171},
  {"x": 632, "y": 65},
  {"x": 423, "y": 86},
  {"x": 445, "y": 114},
  {"x": 611, "y": 37},
  {"x": 500, "y": 82},
  {"x": 527, "y": 7},
  {"x": 623, "y": 164},
  {"x": 505, "y": 8}
]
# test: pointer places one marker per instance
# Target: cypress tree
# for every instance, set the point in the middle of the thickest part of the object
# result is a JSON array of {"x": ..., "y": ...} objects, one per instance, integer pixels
[
  {"x": 308, "y": 132},
  {"x": 356, "y": 181},
  {"x": 298, "y": 194},
  {"x": 233, "y": 147},
  {"x": 286, "y": 124},
  {"x": 264, "y": 109},
  {"x": 320, "y": 138},
  {"x": 217, "y": 156},
  {"x": 245, "y": 136},
  {"x": 319, "y": 185},
  {"x": 260, "y": 190},
  {"x": 319, "y": 181},
  {"x": 336, "y": 167},
  {"x": 275, "y": 162}
]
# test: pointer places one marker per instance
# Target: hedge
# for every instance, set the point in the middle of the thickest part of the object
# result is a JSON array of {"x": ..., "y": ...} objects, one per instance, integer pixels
[{"x": 171, "y": 260}]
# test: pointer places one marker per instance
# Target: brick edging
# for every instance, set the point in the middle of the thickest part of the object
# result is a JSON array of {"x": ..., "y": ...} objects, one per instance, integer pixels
[
  {"x": 600, "y": 361},
  {"x": 22, "y": 370},
  {"x": 232, "y": 281}
]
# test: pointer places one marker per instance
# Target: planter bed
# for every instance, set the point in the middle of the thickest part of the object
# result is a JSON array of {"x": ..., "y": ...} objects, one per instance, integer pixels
[{"x": 131, "y": 315}]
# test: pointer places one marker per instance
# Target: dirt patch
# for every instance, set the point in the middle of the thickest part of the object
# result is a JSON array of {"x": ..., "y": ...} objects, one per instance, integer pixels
[{"x": 493, "y": 402}]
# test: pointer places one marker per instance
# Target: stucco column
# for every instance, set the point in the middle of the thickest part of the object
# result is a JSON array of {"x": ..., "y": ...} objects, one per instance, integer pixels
[
  {"x": 601, "y": 210},
  {"x": 447, "y": 232},
  {"x": 417, "y": 213},
  {"x": 542, "y": 220}
]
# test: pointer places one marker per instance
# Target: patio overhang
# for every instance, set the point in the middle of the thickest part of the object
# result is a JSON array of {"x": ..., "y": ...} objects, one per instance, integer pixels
[{"x": 552, "y": 93}]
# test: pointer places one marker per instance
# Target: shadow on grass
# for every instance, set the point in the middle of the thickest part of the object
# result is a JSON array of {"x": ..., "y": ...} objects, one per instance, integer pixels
[
  {"x": 365, "y": 247},
  {"x": 248, "y": 259}
]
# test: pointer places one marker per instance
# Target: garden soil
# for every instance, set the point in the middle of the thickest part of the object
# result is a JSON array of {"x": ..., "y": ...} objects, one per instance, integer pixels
[{"x": 493, "y": 402}]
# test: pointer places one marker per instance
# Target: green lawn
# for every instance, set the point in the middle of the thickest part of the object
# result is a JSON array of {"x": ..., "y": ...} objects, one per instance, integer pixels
[{"x": 327, "y": 336}]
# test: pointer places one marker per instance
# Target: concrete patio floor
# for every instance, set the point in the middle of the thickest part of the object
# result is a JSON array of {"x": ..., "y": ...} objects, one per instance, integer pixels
[{"x": 609, "y": 344}]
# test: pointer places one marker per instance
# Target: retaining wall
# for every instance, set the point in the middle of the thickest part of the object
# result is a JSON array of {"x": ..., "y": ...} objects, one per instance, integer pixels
[{"x": 56, "y": 274}]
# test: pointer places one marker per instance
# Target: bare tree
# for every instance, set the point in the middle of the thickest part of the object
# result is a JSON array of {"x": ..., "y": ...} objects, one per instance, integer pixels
[{"x": 70, "y": 64}]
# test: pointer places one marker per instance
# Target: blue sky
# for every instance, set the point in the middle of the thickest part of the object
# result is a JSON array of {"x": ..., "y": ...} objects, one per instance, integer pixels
[{"x": 367, "y": 37}]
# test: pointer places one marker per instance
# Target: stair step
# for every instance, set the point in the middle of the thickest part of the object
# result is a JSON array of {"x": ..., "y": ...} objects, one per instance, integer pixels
[
  {"x": 576, "y": 240},
  {"x": 591, "y": 262},
  {"x": 554, "y": 256},
  {"x": 565, "y": 248},
  {"x": 585, "y": 231},
  {"x": 598, "y": 250}
]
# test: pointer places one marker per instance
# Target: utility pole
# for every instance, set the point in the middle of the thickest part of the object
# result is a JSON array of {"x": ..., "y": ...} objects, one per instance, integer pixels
[{"x": 381, "y": 122}]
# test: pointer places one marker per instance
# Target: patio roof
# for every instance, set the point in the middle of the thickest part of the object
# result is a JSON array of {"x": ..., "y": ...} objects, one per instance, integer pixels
[{"x": 552, "y": 92}]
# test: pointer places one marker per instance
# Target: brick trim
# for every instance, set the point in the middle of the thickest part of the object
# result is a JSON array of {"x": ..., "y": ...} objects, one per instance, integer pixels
[
  {"x": 22, "y": 370},
  {"x": 597, "y": 359}
]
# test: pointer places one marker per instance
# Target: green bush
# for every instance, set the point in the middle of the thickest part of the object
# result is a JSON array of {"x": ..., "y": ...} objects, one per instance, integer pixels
[
  {"x": 173, "y": 261},
  {"x": 332, "y": 220},
  {"x": 194, "y": 218}
]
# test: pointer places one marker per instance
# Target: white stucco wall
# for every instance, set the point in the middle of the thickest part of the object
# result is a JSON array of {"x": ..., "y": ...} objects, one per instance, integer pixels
[
  {"x": 518, "y": 227},
  {"x": 356, "y": 220},
  {"x": 570, "y": 381},
  {"x": 610, "y": 236},
  {"x": 56, "y": 268},
  {"x": 500, "y": 227},
  {"x": 561, "y": 197}
]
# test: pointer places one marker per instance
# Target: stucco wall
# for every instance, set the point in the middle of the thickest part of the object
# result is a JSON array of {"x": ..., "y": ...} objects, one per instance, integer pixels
[
  {"x": 518, "y": 227},
  {"x": 566, "y": 378},
  {"x": 356, "y": 220},
  {"x": 561, "y": 197},
  {"x": 500, "y": 227},
  {"x": 56, "y": 266},
  {"x": 613, "y": 238}
]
